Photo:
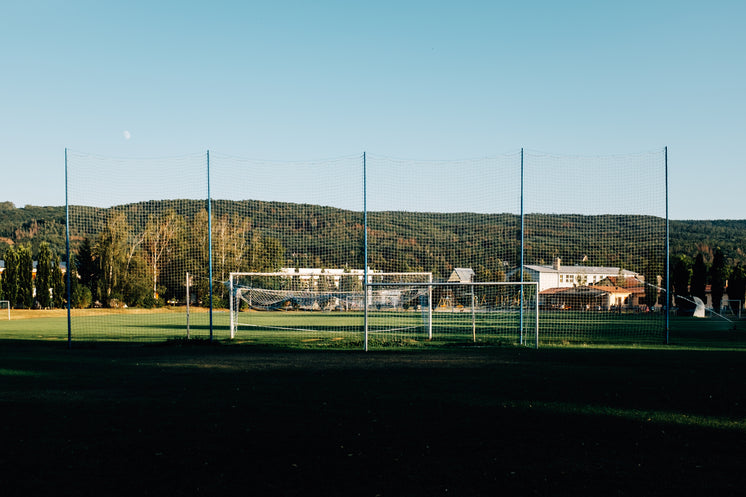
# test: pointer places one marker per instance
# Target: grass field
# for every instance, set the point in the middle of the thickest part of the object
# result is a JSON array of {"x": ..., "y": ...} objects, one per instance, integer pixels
[
  {"x": 386, "y": 329},
  {"x": 202, "y": 419}
]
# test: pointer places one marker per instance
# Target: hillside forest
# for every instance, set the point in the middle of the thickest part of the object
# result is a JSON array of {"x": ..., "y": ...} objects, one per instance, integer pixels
[{"x": 137, "y": 254}]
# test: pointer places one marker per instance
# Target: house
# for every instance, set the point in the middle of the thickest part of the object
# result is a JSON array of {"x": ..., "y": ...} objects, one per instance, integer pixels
[
  {"x": 623, "y": 292},
  {"x": 595, "y": 297},
  {"x": 461, "y": 275},
  {"x": 585, "y": 287},
  {"x": 559, "y": 276},
  {"x": 579, "y": 297}
]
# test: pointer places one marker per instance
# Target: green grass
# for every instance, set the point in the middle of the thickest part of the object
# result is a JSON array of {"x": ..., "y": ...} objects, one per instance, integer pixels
[
  {"x": 117, "y": 419},
  {"x": 345, "y": 330}
]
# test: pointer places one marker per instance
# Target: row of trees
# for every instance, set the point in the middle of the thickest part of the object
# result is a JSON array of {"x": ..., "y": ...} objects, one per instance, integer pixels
[
  {"x": 146, "y": 267},
  {"x": 24, "y": 291},
  {"x": 122, "y": 265},
  {"x": 689, "y": 278}
]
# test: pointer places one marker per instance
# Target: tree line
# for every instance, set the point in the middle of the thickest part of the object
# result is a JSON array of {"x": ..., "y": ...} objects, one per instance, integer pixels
[
  {"x": 146, "y": 265},
  {"x": 126, "y": 265},
  {"x": 24, "y": 291},
  {"x": 138, "y": 254},
  {"x": 690, "y": 277}
]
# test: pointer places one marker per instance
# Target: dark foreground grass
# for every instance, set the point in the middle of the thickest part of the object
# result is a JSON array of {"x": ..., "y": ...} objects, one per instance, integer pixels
[{"x": 186, "y": 419}]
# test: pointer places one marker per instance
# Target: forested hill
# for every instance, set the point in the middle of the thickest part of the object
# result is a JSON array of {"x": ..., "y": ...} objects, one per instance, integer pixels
[{"x": 31, "y": 225}]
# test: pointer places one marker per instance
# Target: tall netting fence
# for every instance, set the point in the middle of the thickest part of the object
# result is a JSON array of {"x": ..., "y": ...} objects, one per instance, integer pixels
[
  {"x": 446, "y": 248},
  {"x": 138, "y": 230},
  {"x": 595, "y": 241},
  {"x": 460, "y": 221},
  {"x": 301, "y": 224}
]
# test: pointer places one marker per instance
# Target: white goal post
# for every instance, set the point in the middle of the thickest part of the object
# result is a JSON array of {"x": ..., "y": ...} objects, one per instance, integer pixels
[
  {"x": 314, "y": 289},
  {"x": 5, "y": 304},
  {"x": 387, "y": 308}
]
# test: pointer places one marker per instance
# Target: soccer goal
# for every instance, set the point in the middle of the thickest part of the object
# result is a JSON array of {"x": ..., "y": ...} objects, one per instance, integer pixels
[
  {"x": 385, "y": 309},
  {"x": 318, "y": 304},
  {"x": 455, "y": 312},
  {"x": 5, "y": 304}
]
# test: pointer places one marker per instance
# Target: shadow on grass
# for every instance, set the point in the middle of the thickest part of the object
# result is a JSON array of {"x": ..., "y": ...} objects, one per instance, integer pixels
[{"x": 123, "y": 420}]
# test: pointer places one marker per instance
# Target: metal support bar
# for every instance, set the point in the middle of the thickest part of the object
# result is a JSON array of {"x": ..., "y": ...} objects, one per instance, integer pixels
[
  {"x": 522, "y": 250},
  {"x": 68, "y": 283},
  {"x": 209, "y": 237},
  {"x": 365, "y": 250},
  {"x": 187, "y": 305},
  {"x": 668, "y": 252}
]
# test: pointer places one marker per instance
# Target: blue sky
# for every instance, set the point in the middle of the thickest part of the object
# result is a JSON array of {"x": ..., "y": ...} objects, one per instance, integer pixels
[{"x": 291, "y": 80}]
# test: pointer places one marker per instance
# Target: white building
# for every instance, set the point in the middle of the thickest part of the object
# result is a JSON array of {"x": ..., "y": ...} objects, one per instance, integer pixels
[
  {"x": 315, "y": 273},
  {"x": 559, "y": 276}
]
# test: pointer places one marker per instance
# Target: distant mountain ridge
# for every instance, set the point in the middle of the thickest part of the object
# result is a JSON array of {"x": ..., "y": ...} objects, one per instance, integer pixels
[{"x": 410, "y": 233}]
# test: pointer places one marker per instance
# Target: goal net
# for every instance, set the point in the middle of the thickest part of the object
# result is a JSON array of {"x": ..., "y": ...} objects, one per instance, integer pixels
[
  {"x": 392, "y": 308},
  {"x": 491, "y": 312},
  {"x": 5, "y": 308},
  {"x": 315, "y": 304}
]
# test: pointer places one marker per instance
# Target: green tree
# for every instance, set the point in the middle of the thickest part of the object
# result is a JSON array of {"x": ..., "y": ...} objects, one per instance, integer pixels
[
  {"x": 269, "y": 254},
  {"x": 680, "y": 276},
  {"x": 489, "y": 295},
  {"x": 25, "y": 296},
  {"x": 159, "y": 243},
  {"x": 349, "y": 282},
  {"x": 58, "y": 284},
  {"x": 110, "y": 252},
  {"x": 199, "y": 262},
  {"x": 229, "y": 248},
  {"x": 718, "y": 278},
  {"x": 43, "y": 282},
  {"x": 325, "y": 282},
  {"x": 514, "y": 292},
  {"x": 699, "y": 278},
  {"x": 652, "y": 288},
  {"x": 10, "y": 275},
  {"x": 80, "y": 294},
  {"x": 136, "y": 285},
  {"x": 85, "y": 266},
  {"x": 737, "y": 288}
]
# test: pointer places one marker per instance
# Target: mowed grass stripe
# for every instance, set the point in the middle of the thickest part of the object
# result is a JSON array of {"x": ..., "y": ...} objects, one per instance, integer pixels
[{"x": 346, "y": 328}]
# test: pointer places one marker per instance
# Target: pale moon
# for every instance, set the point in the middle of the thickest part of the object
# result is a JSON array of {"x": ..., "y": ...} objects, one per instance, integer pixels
[{"x": 127, "y": 135}]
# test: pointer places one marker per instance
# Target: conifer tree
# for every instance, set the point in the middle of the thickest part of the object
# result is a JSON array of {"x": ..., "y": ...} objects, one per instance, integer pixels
[
  {"x": 737, "y": 288},
  {"x": 43, "y": 281},
  {"x": 699, "y": 278},
  {"x": 10, "y": 275},
  {"x": 718, "y": 276},
  {"x": 25, "y": 295}
]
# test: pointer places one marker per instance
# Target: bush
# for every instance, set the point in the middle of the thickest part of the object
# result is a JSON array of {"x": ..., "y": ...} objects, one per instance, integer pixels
[
  {"x": 151, "y": 302},
  {"x": 82, "y": 297},
  {"x": 218, "y": 302}
]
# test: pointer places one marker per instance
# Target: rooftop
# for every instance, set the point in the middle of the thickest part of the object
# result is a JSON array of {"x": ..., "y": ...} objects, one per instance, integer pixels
[{"x": 580, "y": 269}]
